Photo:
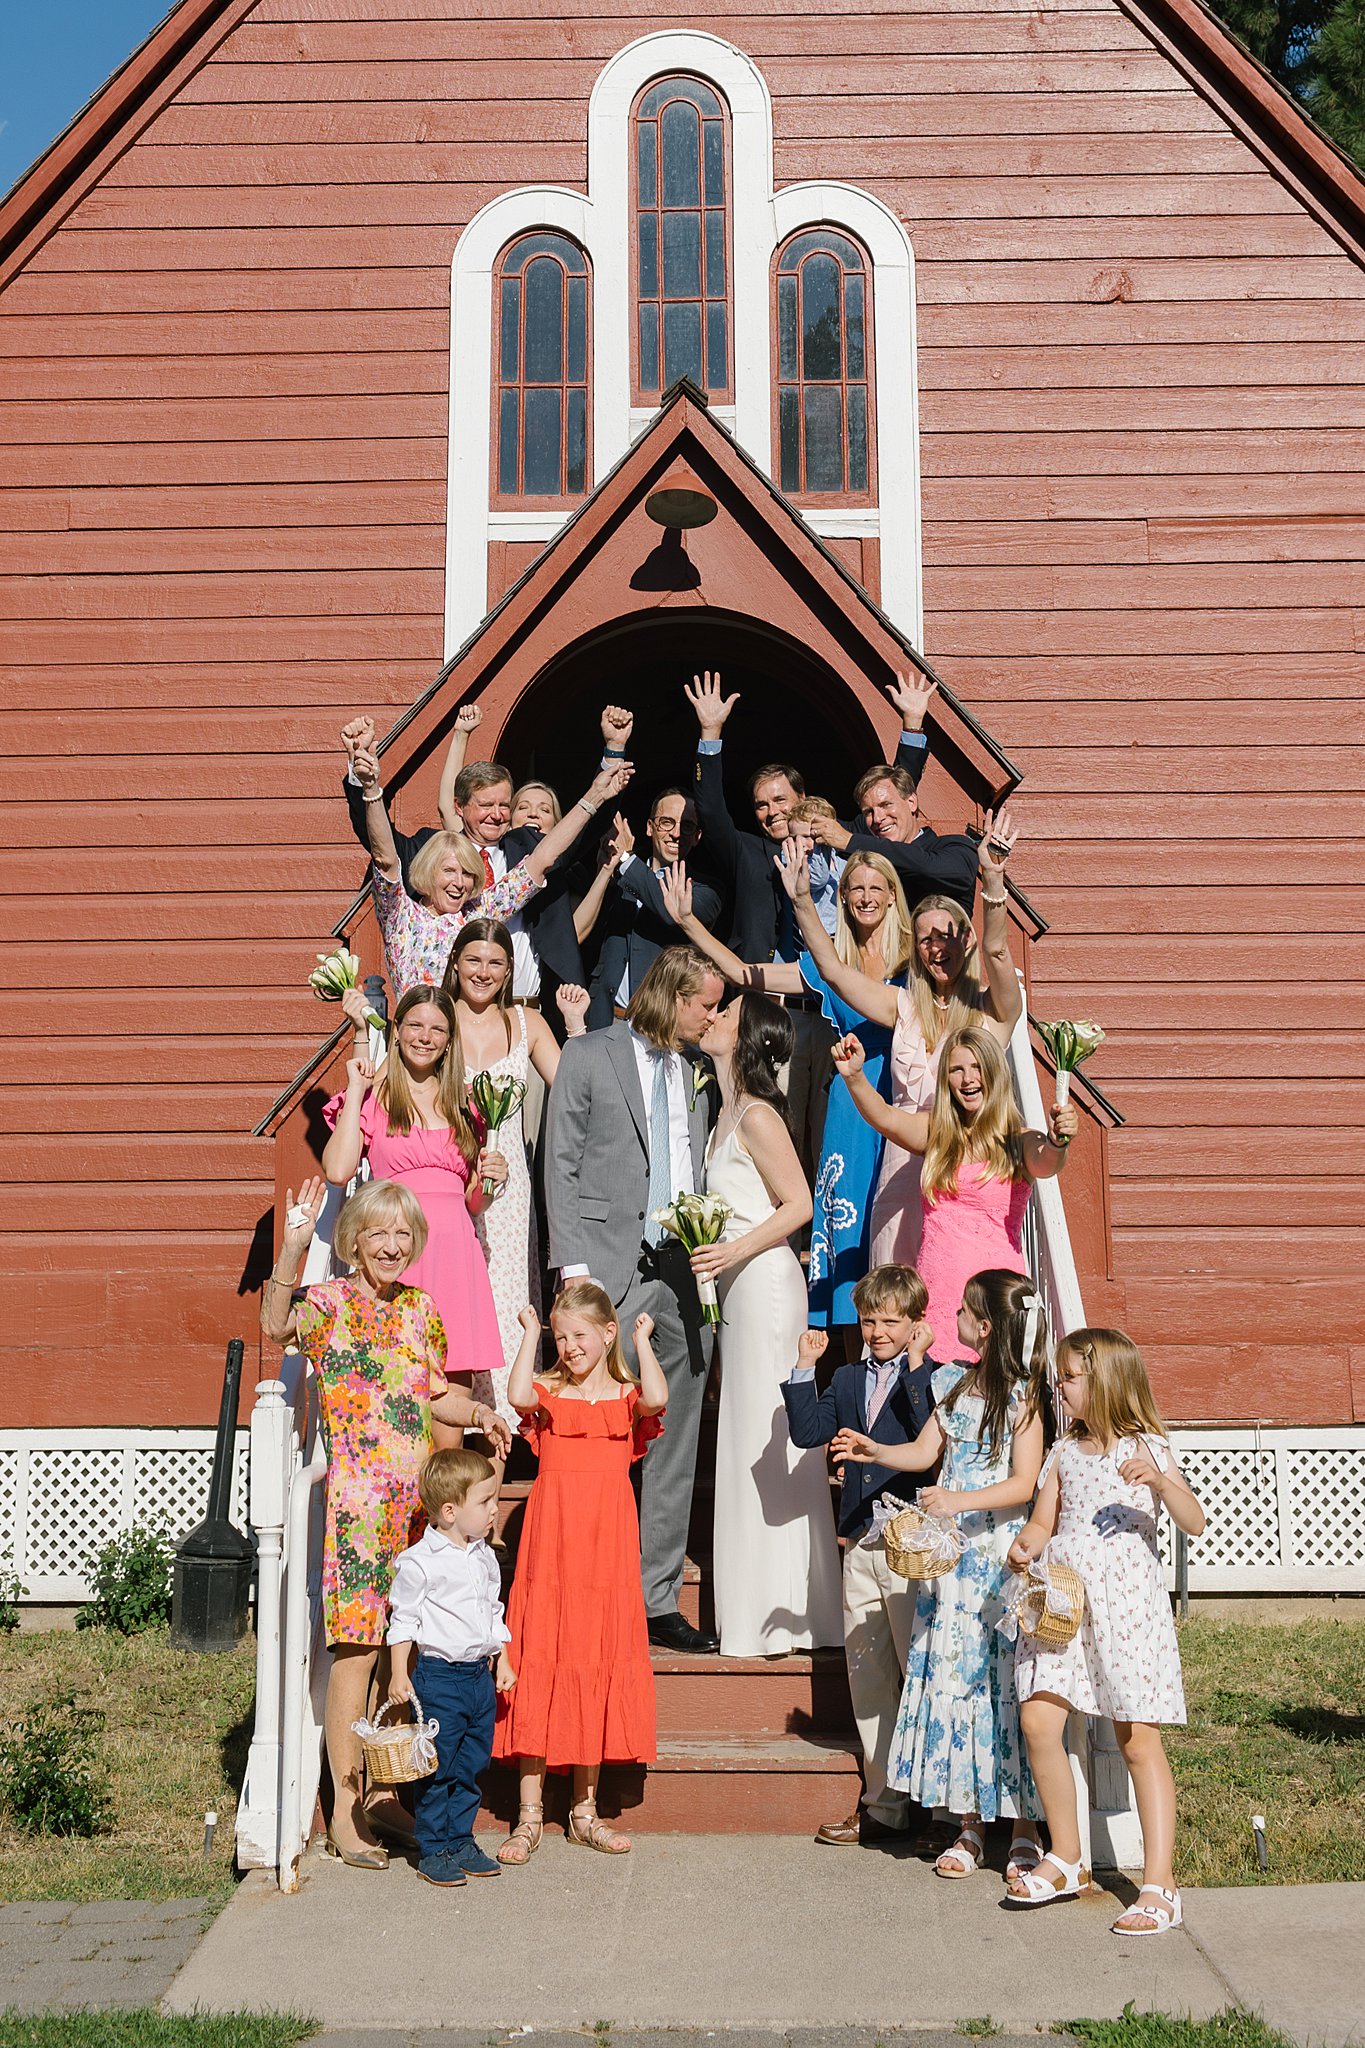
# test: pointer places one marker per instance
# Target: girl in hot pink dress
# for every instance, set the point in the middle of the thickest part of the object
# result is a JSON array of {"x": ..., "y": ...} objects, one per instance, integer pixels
[
  {"x": 413, "y": 1126},
  {"x": 979, "y": 1163}
]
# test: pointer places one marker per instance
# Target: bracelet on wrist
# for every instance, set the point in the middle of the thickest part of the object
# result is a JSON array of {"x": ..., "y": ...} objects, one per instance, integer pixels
[
  {"x": 994, "y": 901},
  {"x": 584, "y": 805},
  {"x": 613, "y": 753},
  {"x": 374, "y": 796}
]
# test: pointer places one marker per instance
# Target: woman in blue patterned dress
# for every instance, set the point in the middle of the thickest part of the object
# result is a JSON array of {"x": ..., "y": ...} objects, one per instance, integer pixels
[
  {"x": 872, "y": 933},
  {"x": 957, "y": 1743}
]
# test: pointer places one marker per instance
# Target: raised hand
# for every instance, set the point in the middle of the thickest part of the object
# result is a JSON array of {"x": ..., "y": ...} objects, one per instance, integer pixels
[
  {"x": 793, "y": 866},
  {"x": 998, "y": 834},
  {"x": 1062, "y": 1124},
  {"x": 622, "y": 840},
  {"x": 677, "y": 892},
  {"x": 468, "y": 718},
  {"x": 529, "y": 1317},
  {"x": 711, "y": 708},
  {"x": 300, "y": 1217},
  {"x": 355, "y": 1004},
  {"x": 848, "y": 1055},
  {"x": 366, "y": 766},
  {"x": 359, "y": 1072},
  {"x": 609, "y": 782},
  {"x": 911, "y": 695},
  {"x": 617, "y": 725},
  {"x": 573, "y": 1006},
  {"x": 358, "y": 734},
  {"x": 644, "y": 1328},
  {"x": 812, "y": 1346}
]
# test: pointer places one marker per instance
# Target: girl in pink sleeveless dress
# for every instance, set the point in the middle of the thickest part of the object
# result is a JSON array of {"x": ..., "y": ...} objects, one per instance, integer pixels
[{"x": 979, "y": 1163}]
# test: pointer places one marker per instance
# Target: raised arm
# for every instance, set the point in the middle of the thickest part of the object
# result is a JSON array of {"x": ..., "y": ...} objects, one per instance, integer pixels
[
  {"x": 907, "y": 1128},
  {"x": 912, "y": 694},
  {"x": 713, "y": 813},
  {"x": 605, "y": 786},
  {"x": 1003, "y": 1004},
  {"x": 774, "y": 978},
  {"x": 613, "y": 851},
  {"x": 383, "y": 848},
  {"x": 468, "y": 719},
  {"x": 342, "y": 1153},
  {"x": 521, "y": 1381},
  {"x": 1044, "y": 1152},
  {"x": 279, "y": 1317},
  {"x": 653, "y": 1385},
  {"x": 875, "y": 1000}
]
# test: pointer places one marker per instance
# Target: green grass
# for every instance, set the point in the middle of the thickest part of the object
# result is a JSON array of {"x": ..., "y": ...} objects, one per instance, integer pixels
[
  {"x": 147, "y": 2028},
  {"x": 174, "y": 1744},
  {"x": 1228, "y": 2029},
  {"x": 1277, "y": 1717}
]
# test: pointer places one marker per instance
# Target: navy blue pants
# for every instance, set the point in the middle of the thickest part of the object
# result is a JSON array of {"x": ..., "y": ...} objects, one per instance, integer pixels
[{"x": 463, "y": 1698}]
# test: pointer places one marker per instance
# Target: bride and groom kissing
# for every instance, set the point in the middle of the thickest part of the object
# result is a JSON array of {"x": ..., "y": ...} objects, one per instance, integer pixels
[{"x": 630, "y": 1127}]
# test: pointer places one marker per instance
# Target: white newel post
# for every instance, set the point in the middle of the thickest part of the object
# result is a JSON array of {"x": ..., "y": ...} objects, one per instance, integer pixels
[{"x": 271, "y": 1462}]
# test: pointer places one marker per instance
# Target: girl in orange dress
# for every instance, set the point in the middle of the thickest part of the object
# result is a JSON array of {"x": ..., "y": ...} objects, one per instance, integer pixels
[{"x": 584, "y": 1694}]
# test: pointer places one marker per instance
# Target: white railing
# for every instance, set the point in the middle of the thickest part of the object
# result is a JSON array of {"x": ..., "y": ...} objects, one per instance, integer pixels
[{"x": 64, "y": 1493}]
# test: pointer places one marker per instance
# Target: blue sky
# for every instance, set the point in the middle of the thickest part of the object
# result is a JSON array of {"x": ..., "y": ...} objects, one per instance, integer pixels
[{"x": 53, "y": 55}]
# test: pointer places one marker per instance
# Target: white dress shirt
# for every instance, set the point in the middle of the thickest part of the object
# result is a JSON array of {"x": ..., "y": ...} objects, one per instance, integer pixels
[
  {"x": 525, "y": 966},
  {"x": 446, "y": 1599},
  {"x": 678, "y": 1075}
]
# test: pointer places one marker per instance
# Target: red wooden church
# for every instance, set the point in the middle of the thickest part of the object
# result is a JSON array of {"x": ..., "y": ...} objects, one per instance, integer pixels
[{"x": 337, "y": 336}]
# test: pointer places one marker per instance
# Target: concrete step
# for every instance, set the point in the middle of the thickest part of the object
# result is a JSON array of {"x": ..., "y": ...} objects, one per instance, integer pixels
[
  {"x": 710, "y": 1783},
  {"x": 753, "y": 1695}
]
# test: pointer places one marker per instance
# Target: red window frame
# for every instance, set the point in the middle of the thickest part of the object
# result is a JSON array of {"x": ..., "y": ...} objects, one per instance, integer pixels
[
  {"x": 661, "y": 237},
  {"x": 805, "y": 387},
  {"x": 521, "y": 389}
]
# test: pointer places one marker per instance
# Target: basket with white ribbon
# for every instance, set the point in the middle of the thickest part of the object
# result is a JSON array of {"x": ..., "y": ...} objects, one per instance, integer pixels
[
  {"x": 1046, "y": 1602},
  {"x": 399, "y": 1754}
]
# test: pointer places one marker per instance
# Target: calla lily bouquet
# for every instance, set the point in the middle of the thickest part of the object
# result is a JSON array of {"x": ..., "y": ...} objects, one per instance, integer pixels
[
  {"x": 334, "y": 974},
  {"x": 1069, "y": 1044},
  {"x": 696, "y": 1220},
  {"x": 493, "y": 1102}
]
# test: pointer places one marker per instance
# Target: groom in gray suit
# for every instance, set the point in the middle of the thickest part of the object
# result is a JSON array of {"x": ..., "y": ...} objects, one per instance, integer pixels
[{"x": 626, "y": 1132}]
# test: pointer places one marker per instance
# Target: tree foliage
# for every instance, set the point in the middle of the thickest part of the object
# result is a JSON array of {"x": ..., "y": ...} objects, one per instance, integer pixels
[{"x": 1316, "y": 49}]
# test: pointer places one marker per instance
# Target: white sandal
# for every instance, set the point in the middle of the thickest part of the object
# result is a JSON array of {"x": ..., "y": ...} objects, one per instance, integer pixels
[
  {"x": 969, "y": 1851},
  {"x": 1164, "y": 1917},
  {"x": 1025, "y": 1855},
  {"x": 1042, "y": 1890}
]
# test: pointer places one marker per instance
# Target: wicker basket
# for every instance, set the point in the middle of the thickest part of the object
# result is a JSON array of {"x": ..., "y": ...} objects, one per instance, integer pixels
[
  {"x": 1051, "y": 1609},
  {"x": 914, "y": 1563},
  {"x": 399, "y": 1755}
]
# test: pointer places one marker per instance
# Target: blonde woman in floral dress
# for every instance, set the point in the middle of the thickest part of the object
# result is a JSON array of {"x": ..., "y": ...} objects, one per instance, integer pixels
[{"x": 377, "y": 1351}]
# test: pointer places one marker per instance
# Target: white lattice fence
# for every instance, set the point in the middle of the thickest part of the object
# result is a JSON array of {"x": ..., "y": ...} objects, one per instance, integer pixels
[
  {"x": 1285, "y": 1508},
  {"x": 63, "y": 1493}
]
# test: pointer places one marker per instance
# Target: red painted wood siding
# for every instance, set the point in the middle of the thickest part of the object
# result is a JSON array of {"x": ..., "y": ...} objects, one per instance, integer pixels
[{"x": 223, "y": 409}]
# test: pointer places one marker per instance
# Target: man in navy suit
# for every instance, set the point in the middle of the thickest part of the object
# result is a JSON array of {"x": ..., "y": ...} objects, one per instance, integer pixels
[{"x": 884, "y": 1395}]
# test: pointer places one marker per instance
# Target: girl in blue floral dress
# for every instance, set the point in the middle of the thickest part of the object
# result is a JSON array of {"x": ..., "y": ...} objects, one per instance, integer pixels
[{"x": 957, "y": 1744}]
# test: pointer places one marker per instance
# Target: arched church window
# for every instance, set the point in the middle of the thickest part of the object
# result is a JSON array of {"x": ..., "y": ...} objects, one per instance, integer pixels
[
  {"x": 825, "y": 434},
  {"x": 541, "y": 434},
  {"x": 682, "y": 239}
]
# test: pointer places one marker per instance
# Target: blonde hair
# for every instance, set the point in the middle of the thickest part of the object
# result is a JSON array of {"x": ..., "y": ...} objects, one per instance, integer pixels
[
  {"x": 433, "y": 852},
  {"x": 445, "y": 1479},
  {"x": 992, "y": 1136},
  {"x": 395, "y": 1086},
  {"x": 1121, "y": 1403},
  {"x": 811, "y": 807},
  {"x": 379, "y": 1201},
  {"x": 964, "y": 997},
  {"x": 586, "y": 1299},
  {"x": 555, "y": 805},
  {"x": 894, "y": 929},
  {"x": 897, "y": 1287},
  {"x": 653, "y": 1009}
]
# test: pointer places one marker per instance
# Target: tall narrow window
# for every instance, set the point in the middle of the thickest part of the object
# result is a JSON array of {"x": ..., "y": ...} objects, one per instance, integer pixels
[
  {"x": 682, "y": 239},
  {"x": 540, "y": 305},
  {"x": 824, "y": 357}
]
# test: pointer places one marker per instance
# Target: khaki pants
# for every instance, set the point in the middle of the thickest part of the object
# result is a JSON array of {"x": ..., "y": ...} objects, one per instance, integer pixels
[{"x": 879, "y": 1608}]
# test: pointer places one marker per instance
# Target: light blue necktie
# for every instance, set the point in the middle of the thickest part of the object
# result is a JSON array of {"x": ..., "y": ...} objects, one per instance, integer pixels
[{"x": 660, "y": 1153}]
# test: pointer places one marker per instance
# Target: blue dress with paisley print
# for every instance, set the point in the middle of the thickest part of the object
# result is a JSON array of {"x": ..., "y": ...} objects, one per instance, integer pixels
[{"x": 850, "y": 1161}]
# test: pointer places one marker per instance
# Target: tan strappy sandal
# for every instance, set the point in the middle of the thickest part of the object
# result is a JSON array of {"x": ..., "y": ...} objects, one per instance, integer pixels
[
  {"x": 590, "y": 1831},
  {"x": 525, "y": 1838}
]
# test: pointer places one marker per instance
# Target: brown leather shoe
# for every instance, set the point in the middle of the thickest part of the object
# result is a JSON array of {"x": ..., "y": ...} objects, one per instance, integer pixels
[{"x": 841, "y": 1834}]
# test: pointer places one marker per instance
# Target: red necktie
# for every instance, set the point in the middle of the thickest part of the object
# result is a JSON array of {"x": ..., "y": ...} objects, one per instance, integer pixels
[{"x": 488, "y": 875}]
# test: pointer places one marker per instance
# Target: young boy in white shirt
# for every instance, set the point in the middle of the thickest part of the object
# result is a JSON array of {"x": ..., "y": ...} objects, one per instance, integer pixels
[{"x": 445, "y": 1604}]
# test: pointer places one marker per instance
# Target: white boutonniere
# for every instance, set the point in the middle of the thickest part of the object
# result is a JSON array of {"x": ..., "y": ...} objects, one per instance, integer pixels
[{"x": 701, "y": 1078}]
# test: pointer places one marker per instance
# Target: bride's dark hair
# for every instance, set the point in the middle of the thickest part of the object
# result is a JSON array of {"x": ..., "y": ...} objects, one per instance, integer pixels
[{"x": 762, "y": 1045}]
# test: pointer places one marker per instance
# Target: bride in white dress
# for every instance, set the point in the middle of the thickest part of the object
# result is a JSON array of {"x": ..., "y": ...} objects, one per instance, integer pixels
[{"x": 775, "y": 1562}]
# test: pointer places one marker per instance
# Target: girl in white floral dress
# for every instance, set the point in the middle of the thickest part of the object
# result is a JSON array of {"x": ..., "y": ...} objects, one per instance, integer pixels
[
  {"x": 957, "y": 1743},
  {"x": 1102, "y": 1486}
]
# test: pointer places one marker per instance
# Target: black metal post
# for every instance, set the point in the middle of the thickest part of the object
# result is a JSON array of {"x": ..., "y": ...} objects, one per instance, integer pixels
[{"x": 212, "y": 1583}]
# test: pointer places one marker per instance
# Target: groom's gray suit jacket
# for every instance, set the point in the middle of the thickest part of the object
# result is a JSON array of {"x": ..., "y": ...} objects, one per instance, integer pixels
[{"x": 597, "y": 1162}]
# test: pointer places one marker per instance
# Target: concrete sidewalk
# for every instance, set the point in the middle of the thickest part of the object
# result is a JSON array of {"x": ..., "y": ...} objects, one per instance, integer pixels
[{"x": 689, "y": 1931}]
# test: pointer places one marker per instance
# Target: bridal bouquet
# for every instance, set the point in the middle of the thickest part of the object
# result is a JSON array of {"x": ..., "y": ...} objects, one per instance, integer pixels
[
  {"x": 696, "y": 1220},
  {"x": 1069, "y": 1044},
  {"x": 334, "y": 974},
  {"x": 493, "y": 1102}
]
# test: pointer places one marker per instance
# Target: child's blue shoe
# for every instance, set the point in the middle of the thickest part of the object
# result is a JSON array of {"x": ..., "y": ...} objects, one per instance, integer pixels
[
  {"x": 469, "y": 1857},
  {"x": 442, "y": 1869}
]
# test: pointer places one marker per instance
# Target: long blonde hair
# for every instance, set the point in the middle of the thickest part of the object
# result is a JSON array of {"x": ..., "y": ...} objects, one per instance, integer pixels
[
  {"x": 653, "y": 1009},
  {"x": 586, "y": 1299},
  {"x": 964, "y": 997},
  {"x": 1121, "y": 1403},
  {"x": 893, "y": 932},
  {"x": 992, "y": 1136},
  {"x": 395, "y": 1087}
]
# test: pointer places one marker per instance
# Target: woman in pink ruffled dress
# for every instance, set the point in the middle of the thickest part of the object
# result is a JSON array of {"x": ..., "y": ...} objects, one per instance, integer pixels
[
  {"x": 979, "y": 1162},
  {"x": 943, "y": 994}
]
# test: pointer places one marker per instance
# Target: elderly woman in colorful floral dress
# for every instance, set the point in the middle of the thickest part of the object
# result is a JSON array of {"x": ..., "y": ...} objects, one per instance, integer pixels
[
  {"x": 377, "y": 1350},
  {"x": 450, "y": 881}
]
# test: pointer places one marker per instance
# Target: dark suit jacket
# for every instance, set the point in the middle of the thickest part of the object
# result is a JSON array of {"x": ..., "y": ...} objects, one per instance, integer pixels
[
  {"x": 928, "y": 866},
  {"x": 816, "y": 1418},
  {"x": 633, "y": 929},
  {"x": 744, "y": 860}
]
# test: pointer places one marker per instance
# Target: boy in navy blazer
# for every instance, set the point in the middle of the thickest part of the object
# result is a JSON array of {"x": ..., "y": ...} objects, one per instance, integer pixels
[{"x": 884, "y": 1395}]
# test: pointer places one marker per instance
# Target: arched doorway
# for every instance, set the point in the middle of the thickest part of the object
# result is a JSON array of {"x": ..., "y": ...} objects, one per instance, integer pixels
[{"x": 793, "y": 707}]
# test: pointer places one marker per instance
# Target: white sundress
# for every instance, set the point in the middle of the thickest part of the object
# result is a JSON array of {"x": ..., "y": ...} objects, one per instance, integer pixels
[
  {"x": 506, "y": 1229},
  {"x": 1123, "y": 1662}
]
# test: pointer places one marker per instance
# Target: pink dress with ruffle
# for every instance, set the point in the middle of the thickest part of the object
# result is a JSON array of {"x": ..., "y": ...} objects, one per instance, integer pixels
[
  {"x": 452, "y": 1268},
  {"x": 977, "y": 1227}
]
